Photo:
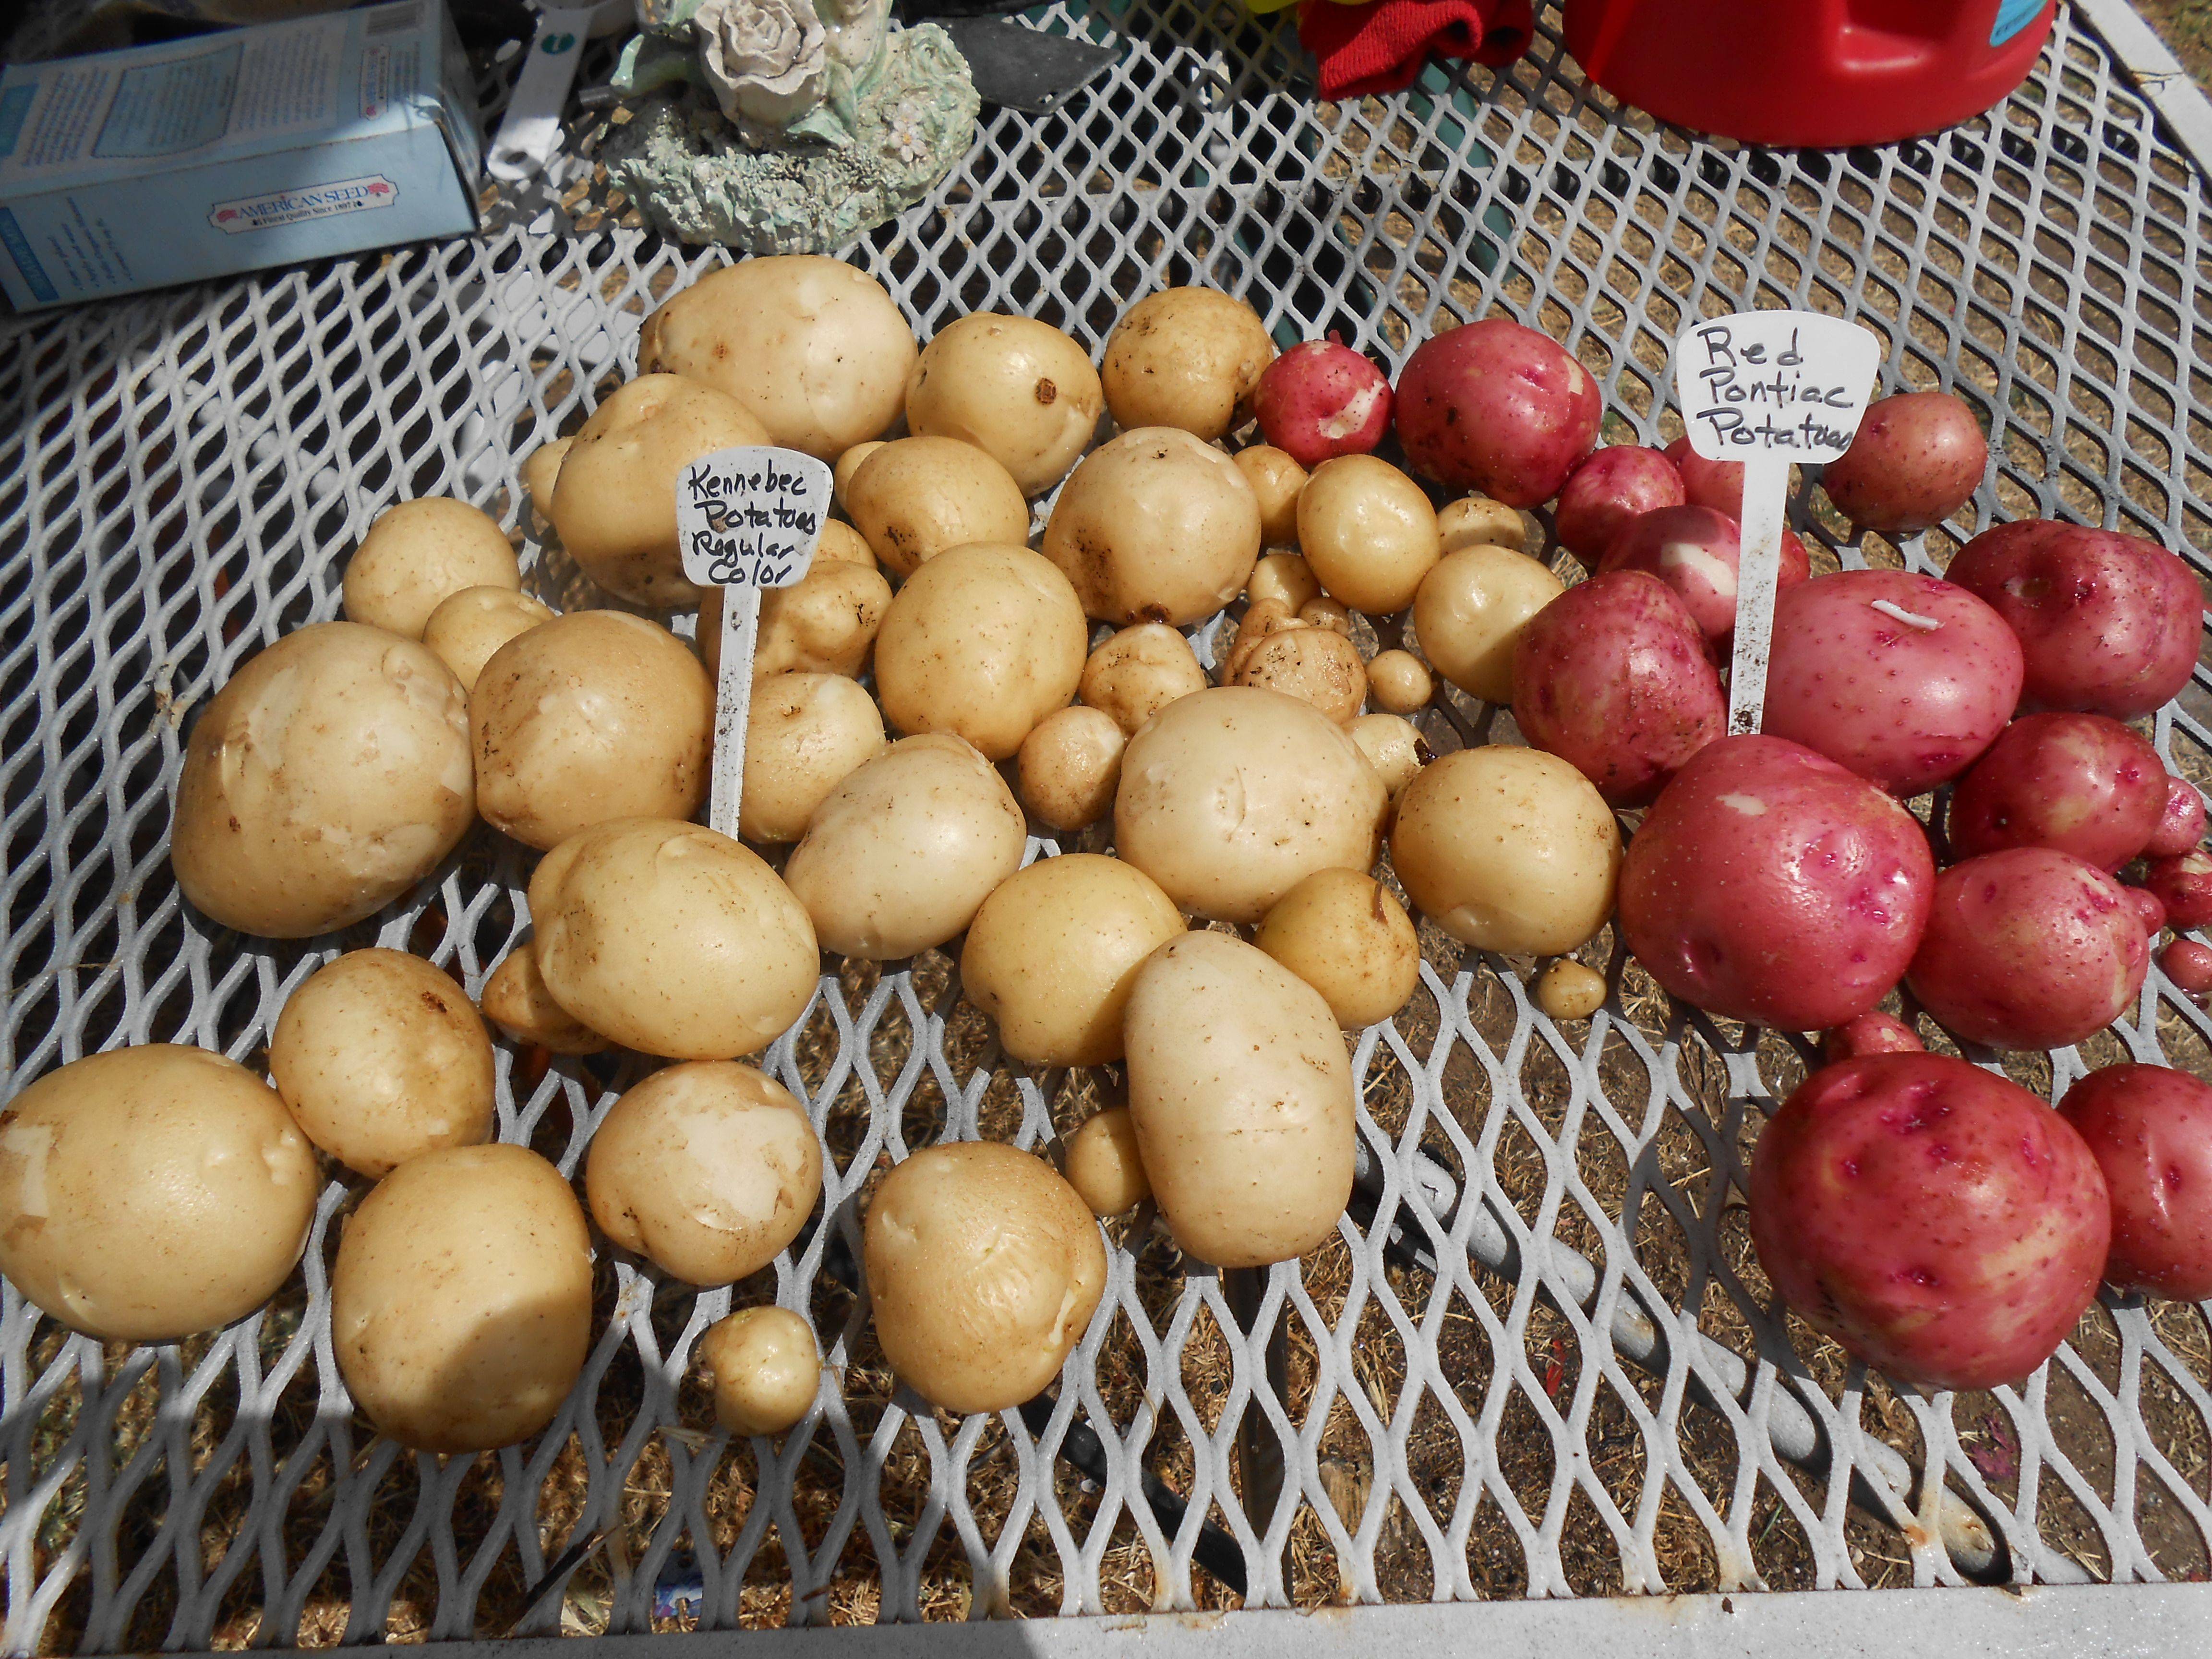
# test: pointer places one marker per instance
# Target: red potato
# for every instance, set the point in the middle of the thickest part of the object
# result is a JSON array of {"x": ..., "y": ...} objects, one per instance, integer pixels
[
  {"x": 1716, "y": 485},
  {"x": 1321, "y": 400},
  {"x": 1612, "y": 676},
  {"x": 2150, "y": 1128},
  {"x": 1904, "y": 679},
  {"x": 2150, "y": 910},
  {"x": 1939, "y": 1222},
  {"x": 1869, "y": 1034},
  {"x": 2029, "y": 948},
  {"x": 2188, "y": 964},
  {"x": 1698, "y": 553},
  {"x": 1770, "y": 885},
  {"x": 1917, "y": 458},
  {"x": 1497, "y": 408},
  {"x": 2107, "y": 623},
  {"x": 2184, "y": 885},
  {"x": 1608, "y": 490},
  {"x": 2082, "y": 783},
  {"x": 2180, "y": 823}
]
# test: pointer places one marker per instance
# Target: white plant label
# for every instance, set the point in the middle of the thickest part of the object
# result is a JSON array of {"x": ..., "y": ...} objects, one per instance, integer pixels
[
  {"x": 746, "y": 519},
  {"x": 1767, "y": 388}
]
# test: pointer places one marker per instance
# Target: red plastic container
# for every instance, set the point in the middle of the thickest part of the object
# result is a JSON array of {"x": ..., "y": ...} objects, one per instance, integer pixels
[{"x": 1825, "y": 73}]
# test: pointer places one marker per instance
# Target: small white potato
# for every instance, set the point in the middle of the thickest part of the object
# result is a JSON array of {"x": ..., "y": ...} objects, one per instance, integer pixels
[
  {"x": 1069, "y": 768},
  {"x": 1103, "y": 1164},
  {"x": 805, "y": 734},
  {"x": 1140, "y": 671},
  {"x": 1325, "y": 612},
  {"x": 825, "y": 623},
  {"x": 540, "y": 472},
  {"x": 515, "y": 999},
  {"x": 1393, "y": 746},
  {"x": 914, "y": 497},
  {"x": 1478, "y": 521},
  {"x": 468, "y": 627},
  {"x": 764, "y": 1368},
  {"x": 1368, "y": 533},
  {"x": 1344, "y": 934},
  {"x": 380, "y": 1056},
  {"x": 841, "y": 476},
  {"x": 1186, "y": 357},
  {"x": 1569, "y": 990},
  {"x": 1470, "y": 611},
  {"x": 1261, "y": 618},
  {"x": 899, "y": 856},
  {"x": 1316, "y": 665},
  {"x": 984, "y": 1268},
  {"x": 1155, "y": 527},
  {"x": 420, "y": 552},
  {"x": 149, "y": 1192},
  {"x": 1276, "y": 479},
  {"x": 1399, "y": 682},
  {"x": 707, "y": 1170},
  {"x": 1020, "y": 391},
  {"x": 1283, "y": 578},
  {"x": 842, "y": 545},
  {"x": 1508, "y": 849},
  {"x": 1052, "y": 954}
]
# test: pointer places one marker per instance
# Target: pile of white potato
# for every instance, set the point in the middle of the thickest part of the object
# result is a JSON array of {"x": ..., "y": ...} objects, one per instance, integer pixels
[{"x": 155, "y": 1191}]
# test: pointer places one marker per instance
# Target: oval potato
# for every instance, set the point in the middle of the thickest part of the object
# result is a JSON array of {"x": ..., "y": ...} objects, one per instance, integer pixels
[
  {"x": 914, "y": 497},
  {"x": 420, "y": 553},
  {"x": 1020, "y": 391}
]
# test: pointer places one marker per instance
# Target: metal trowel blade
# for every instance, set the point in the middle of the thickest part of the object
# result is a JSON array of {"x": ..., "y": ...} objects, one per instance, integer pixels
[{"x": 1025, "y": 68}]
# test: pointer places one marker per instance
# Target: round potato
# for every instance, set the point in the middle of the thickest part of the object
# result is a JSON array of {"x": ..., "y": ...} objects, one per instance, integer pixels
[
  {"x": 380, "y": 1057},
  {"x": 984, "y": 1268},
  {"x": 1241, "y": 1090},
  {"x": 595, "y": 715},
  {"x": 914, "y": 497},
  {"x": 1019, "y": 390},
  {"x": 1478, "y": 521},
  {"x": 1508, "y": 849},
  {"x": 1283, "y": 578},
  {"x": 461, "y": 1302},
  {"x": 764, "y": 1367},
  {"x": 805, "y": 735},
  {"x": 1230, "y": 798},
  {"x": 1069, "y": 768},
  {"x": 149, "y": 1192},
  {"x": 1276, "y": 479},
  {"x": 1469, "y": 613},
  {"x": 1399, "y": 681},
  {"x": 516, "y": 1000},
  {"x": 707, "y": 1170},
  {"x": 1103, "y": 1164},
  {"x": 983, "y": 641},
  {"x": 325, "y": 779},
  {"x": 1053, "y": 952},
  {"x": 1344, "y": 934},
  {"x": 1155, "y": 527},
  {"x": 1140, "y": 671},
  {"x": 899, "y": 856},
  {"x": 815, "y": 350},
  {"x": 672, "y": 939},
  {"x": 1569, "y": 990},
  {"x": 468, "y": 627},
  {"x": 614, "y": 500},
  {"x": 1368, "y": 532},
  {"x": 825, "y": 623},
  {"x": 420, "y": 553},
  {"x": 1186, "y": 357},
  {"x": 1393, "y": 746},
  {"x": 1317, "y": 665}
]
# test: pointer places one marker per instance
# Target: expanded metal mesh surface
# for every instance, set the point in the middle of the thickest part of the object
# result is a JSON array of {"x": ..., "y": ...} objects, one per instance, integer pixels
[{"x": 1571, "y": 1380}]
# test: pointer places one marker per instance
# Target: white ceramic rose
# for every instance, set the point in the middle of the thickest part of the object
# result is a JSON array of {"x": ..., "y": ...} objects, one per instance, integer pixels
[{"x": 768, "y": 60}]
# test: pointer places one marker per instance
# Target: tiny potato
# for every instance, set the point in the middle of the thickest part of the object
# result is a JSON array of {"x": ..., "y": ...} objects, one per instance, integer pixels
[
  {"x": 900, "y": 855},
  {"x": 1276, "y": 479},
  {"x": 1317, "y": 665},
  {"x": 707, "y": 1170},
  {"x": 1508, "y": 849},
  {"x": 1478, "y": 521},
  {"x": 1393, "y": 746},
  {"x": 1053, "y": 950},
  {"x": 469, "y": 627},
  {"x": 914, "y": 497},
  {"x": 1140, "y": 671},
  {"x": 841, "y": 476},
  {"x": 380, "y": 1056},
  {"x": 420, "y": 552},
  {"x": 1262, "y": 618},
  {"x": 1069, "y": 766},
  {"x": 1283, "y": 578},
  {"x": 1325, "y": 612},
  {"x": 1343, "y": 933},
  {"x": 1187, "y": 358},
  {"x": 1399, "y": 681},
  {"x": 539, "y": 473},
  {"x": 1155, "y": 527},
  {"x": 1470, "y": 611},
  {"x": 515, "y": 999},
  {"x": 806, "y": 734},
  {"x": 1368, "y": 532},
  {"x": 815, "y": 349},
  {"x": 825, "y": 623},
  {"x": 595, "y": 715},
  {"x": 1020, "y": 391},
  {"x": 1103, "y": 1164},
  {"x": 1568, "y": 989},
  {"x": 764, "y": 1368},
  {"x": 982, "y": 641}
]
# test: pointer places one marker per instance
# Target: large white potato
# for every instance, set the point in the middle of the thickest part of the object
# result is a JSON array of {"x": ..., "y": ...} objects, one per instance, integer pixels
[
  {"x": 1230, "y": 797},
  {"x": 325, "y": 779},
  {"x": 1155, "y": 527},
  {"x": 672, "y": 939},
  {"x": 1186, "y": 357},
  {"x": 420, "y": 553},
  {"x": 914, "y": 497},
  {"x": 461, "y": 1302},
  {"x": 1019, "y": 390},
  {"x": 806, "y": 734},
  {"x": 817, "y": 351},
  {"x": 149, "y": 1192},
  {"x": 1240, "y": 1087}
]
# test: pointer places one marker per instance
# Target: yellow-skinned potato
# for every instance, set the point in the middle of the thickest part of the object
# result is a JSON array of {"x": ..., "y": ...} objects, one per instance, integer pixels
[
  {"x": 614, "y": 499},
  {"x": 672, "y": 939},
  {"x": 1103, "y": 1164},
  {"x": 1470, "y": 612},
  {"x": 982, "y": 641},
  {"x": 1053, "y": 952},
  {"x": 806, "y": 734},
  {"x": 1241, "y": 1091},
  {"x": 900, "y": 855},
  {"x": 914, "y": 497},
  {"x": 1368, "y": 533},
  {"x": 841, "y": 476},
  {"x": 1019, "y": 390},
  {"x": 1283, "y": 578},
  {"x": 515, "y": 999},
  {"x": 1276, "y": 479},
  {"x": 764, "y": 1368},
  {"x": 1478, "y": 521},
  {"x": 1508, "y": 849},
  {"x": 1069, "y": 768},
  {"x": 825, "y": 623},
  {"x": 328, "y": 776},
  {"x": 1399, "y": 682},
  {"x": 421, "y": 552},
  {"x": 842, "y": 545},
  {"x": 380, "y": 1057},
  {"x": 984, "y": 1268},
  {"x": 1186, "y": 357},
  {"x": 148, "y": 1193},
  {"x": 595, "y": 715},
  {"x": 1393, "y": 746},
  {"x": 1316, "y": 665},
  {"x": 1570, "y": 990},
  {"x": 707, "y": 1170},
  {"x": 469, "y": 627},
  {"x": 461, "y": 1302},
  {"x": 1230, "y": 798},
  {"x": 1343, "y": 933},
  {"x": 815, "y": 349},
  {"x": 1155, "y": 527},
  {"x": 541, "y": 470},
  {"x": 1140, "y": 671}
]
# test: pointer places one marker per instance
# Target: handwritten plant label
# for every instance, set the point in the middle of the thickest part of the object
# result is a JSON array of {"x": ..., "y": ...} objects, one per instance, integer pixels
[
  {"x": 746, "y": 519},
  {"x": 1768, "y": 388}
]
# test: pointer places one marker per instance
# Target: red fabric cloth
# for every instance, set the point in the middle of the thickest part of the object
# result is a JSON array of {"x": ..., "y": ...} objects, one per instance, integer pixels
[{"x": 1381, "y": 47}]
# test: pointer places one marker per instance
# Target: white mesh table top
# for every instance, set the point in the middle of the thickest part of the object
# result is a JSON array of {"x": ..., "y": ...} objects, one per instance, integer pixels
[{"x": 1538, "y": 1360}]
